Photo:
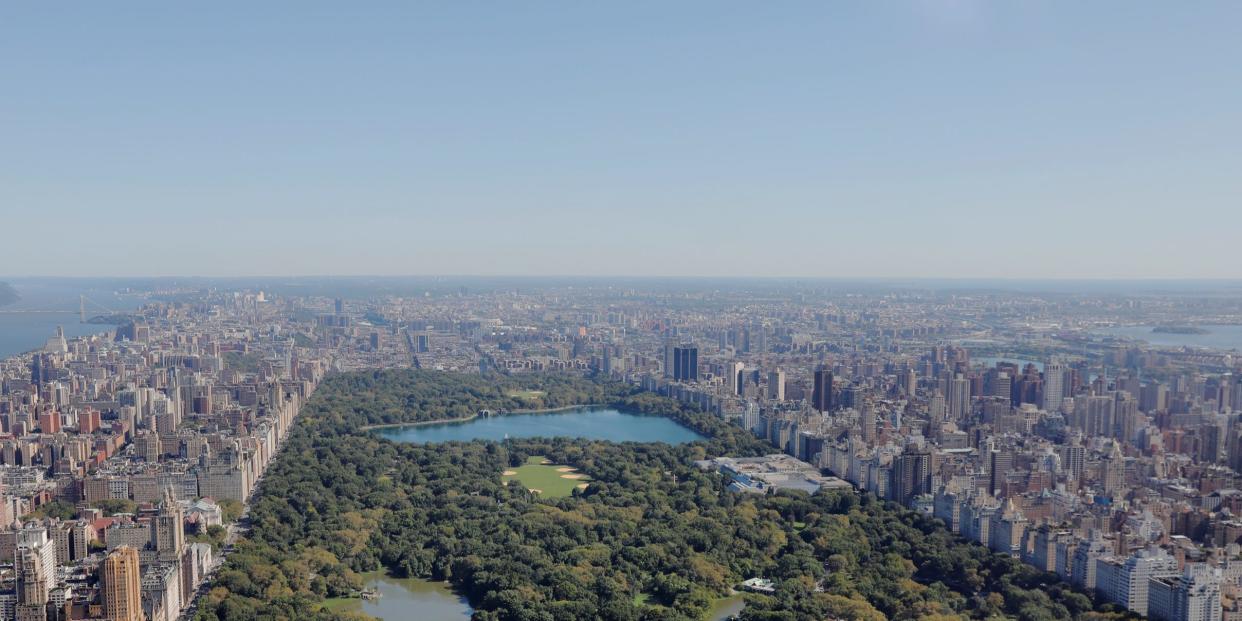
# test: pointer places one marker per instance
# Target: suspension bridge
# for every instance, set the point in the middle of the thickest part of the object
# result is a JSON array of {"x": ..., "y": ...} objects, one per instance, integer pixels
[{"x": 82, "y": 306}]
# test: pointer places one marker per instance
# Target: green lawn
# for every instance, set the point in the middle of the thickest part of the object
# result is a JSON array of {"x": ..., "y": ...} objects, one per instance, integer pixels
[
  {"x": 549, "y": 479},
  {"x": 528, "y": 395},
  {"x": 341, "y": 604}
]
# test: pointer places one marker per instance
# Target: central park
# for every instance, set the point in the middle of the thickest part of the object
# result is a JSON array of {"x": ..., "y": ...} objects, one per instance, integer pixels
[{"x": 358, "y": 497}]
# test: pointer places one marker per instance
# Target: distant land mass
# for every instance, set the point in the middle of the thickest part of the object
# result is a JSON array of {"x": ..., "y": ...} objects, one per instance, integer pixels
[
  {"x": 7, "y": 294},
  {"x": 1179, "y": 330},
  {"x": 115, "y": 319}
]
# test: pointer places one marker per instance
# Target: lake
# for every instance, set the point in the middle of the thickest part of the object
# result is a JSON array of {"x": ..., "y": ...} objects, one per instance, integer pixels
[
  {"x": 1218, "y": 337},
  {"x": 592, "y": 423},
  {"x": 403, "y": 599}
]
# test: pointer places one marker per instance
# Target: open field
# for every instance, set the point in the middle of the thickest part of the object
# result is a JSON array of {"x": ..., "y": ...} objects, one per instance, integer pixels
[
  {"x": 551, "y": 480},
  {"x": 528, "y": 395}
]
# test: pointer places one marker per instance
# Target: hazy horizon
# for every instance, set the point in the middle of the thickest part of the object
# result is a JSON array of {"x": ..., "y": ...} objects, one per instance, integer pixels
[{"x": 935, "y": 139}]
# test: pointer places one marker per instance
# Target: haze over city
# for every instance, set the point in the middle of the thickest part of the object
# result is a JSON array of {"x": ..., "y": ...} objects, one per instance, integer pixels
[{"x": 924, "y": 139}]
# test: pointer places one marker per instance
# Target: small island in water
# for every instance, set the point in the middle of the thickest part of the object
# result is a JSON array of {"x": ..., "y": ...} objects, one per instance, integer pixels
[{"x": 1179, "y": 330}]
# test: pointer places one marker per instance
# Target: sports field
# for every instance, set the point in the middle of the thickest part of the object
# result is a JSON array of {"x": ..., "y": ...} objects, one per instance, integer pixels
[
  {"x": 546, "y": 479},
  {"x": 528, "y": 395}
]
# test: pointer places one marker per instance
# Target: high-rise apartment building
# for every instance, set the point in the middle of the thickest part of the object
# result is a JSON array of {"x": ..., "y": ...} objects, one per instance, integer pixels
[
  {"x": 821, "y": 395},
  {"x": 1054, "y": 385},
  {"x": 167, "y": 532},
  {"x": 959, "y": 397},
  {"x": 911, "y": 476},
  {"x": 1126, "y": 583},
  {"x": 686, "y": 363},
  {"x": 122, "y": 585},
  {"x": 776, "y": 385}
]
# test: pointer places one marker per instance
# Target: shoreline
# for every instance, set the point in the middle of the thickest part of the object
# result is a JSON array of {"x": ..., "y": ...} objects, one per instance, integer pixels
[{"x": 466, "y": 419}]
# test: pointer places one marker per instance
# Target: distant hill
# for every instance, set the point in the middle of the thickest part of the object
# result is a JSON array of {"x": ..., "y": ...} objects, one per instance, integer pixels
[{"x": 7, "y": 294}]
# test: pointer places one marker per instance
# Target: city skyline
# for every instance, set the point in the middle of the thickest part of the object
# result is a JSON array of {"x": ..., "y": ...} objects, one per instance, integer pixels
[{"x": 930, "y": 139}]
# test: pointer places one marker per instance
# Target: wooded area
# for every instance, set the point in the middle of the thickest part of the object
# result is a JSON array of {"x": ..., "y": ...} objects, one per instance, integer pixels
[{"x": 650, "y": 538}]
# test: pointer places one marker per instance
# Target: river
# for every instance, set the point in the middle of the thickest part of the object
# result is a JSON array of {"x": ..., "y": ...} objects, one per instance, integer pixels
[
  {"x": 22, "y": 331},
  {"x": 1217, "y": 337},
  {"x": 27, "y": 323}
]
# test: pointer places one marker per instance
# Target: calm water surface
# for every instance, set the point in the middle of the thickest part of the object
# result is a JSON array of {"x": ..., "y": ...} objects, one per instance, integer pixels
[
  {"x": 1218, "y": 337},
  {"x": 726, "y": 607},
  {"x": 403, "y": 599},
  {"x": 21, "y": 331},
  {"x": 407, "y": 599},
  {"x": 592, "y": 423}
]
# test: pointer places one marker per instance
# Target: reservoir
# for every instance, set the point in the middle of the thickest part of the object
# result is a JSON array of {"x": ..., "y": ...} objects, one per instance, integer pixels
[{"x": 589, "y": 422}]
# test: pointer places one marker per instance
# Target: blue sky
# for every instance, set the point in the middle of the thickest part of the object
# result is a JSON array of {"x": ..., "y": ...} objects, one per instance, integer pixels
[{"x": 919, "y": 139}]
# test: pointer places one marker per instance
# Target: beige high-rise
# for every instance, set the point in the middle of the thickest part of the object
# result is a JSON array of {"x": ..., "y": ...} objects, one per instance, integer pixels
[{"x": 122, "y": 585}]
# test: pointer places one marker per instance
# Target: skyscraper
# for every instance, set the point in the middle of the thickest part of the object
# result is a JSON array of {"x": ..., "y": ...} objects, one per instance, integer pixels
[
  {"x": 1054, "y": 385},
  {"x": 1125, "y": 416},
  {"x": 35, "y": 565},
  {"x": 686, "y": 363},
  {"x": 32, "y": 584},
  {"x": 1194, "y": 596},
  {"x": 669, "y": 346},
  {"x": 911, "y": 475},
  {"x": 776, "y": 385},
  {"x": 1073, "y": 461},
  {"x": 122, "y": 586},
  {"x": 1000, "y": 462},
  {"x": 1132, "y": 578},
  {"x": 733, "y": 373},
  {"x": 1114, "y": 470},
  {"x": 867, "y": 421},
  {"x": 168, "y": 532},
  {"x": 959, "y": 397},
  {"x": 1002, "y": 385},
  {"x": 821, "y": 396}
]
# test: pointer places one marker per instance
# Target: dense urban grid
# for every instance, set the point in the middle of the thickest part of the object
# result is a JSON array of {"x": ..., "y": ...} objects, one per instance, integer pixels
[{"x": 1017, "y": 419}]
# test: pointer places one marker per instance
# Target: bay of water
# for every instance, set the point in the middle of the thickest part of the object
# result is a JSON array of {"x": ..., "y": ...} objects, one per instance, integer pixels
[
  {"x": 592, "y": 423},
  {"x": 1218, "y": 337}
]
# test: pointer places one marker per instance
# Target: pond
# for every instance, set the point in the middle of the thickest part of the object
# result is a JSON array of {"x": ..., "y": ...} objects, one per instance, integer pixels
[
  {"x": 411, "y": 599},
  {"x": 592, "y": 423},
  {"x": 726, "y": 607},
  {"x": 403, "y": 599}
]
